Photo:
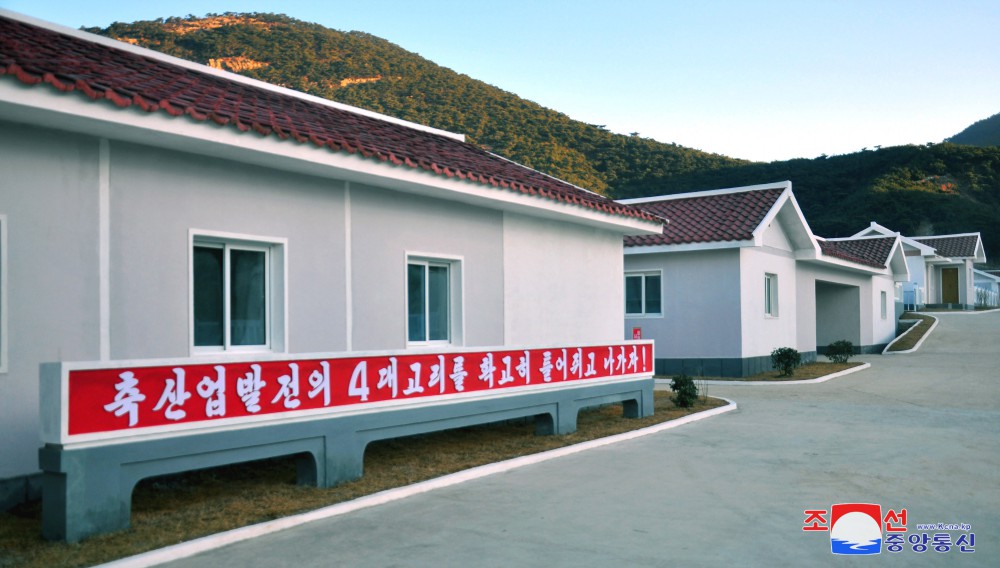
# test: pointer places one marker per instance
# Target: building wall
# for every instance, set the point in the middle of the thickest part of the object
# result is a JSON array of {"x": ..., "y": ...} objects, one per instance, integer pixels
[
  {"x": 762, "y": 333},
  {"x": 872, "y": 336},
  {"x": 522, "y": 281},
  {"x": 387, "y": 226},
  {"x": 158, "y": 196},
  {"x": 883, "y": 328},
  {"x": 701, "y": 304},
  {"x": 48, "y": 192},
  {"x": 562, "y": 282}
]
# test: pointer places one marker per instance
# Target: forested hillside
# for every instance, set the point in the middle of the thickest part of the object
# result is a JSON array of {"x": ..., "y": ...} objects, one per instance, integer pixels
[
  {"x": 938, "y": 188},
  {"x": 985, "y": 132}
]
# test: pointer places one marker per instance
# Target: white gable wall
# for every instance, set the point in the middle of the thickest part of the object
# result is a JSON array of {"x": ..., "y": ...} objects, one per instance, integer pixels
[{"x": 762, "y": 333}]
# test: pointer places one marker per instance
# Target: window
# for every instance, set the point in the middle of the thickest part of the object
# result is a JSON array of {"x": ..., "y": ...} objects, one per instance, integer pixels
[
  {"x": 771, "y": 295},
  {"x": 428, "y": 301},
  {"x": 234, "y": 290},
  {"x": 883, "y": 298},
  {"x": 643, "y": 294},
  {"x": 3, "y": 294}
]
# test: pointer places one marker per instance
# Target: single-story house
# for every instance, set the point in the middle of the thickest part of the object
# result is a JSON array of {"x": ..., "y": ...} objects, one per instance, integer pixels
[
  {"x": 941, "y": 268},
  {"x": 953, "y": 282},
  {"x": 154, "y": 208},
  {"x": 737, "y": 272}
]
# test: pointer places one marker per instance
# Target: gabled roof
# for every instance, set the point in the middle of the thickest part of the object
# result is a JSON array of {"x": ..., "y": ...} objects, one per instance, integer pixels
[
  {"x": 875, "y": 229},
  {"x": 137, "y": 80},
  {"x": 870, "y": 251},
  {"x": 720, "y": 216},
  {"x": 966, "y": 245}
]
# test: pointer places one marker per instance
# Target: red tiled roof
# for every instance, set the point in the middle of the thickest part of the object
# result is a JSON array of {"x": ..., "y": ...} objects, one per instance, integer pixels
[
  {"x": 717, "y": 217},
  {"x": 36, "y": 56},
  {"x": 868, "y": 251},
  {"x": 952, "y": 246}
]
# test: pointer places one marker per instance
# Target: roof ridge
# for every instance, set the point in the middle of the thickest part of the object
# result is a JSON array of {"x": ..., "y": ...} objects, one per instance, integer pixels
[{"x": 706, "y": 193}]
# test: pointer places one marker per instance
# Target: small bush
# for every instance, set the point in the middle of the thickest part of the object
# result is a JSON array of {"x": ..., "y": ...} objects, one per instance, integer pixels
[
  {"x": 839, "y": 351},
  {"x": 786, "y": 359},
  {"x": 687, "y": 392}
]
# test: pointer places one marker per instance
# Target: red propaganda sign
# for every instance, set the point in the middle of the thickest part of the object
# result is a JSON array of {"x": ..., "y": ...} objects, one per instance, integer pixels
[
  {"x": 636, "y": 333},
  {"x": 192, "y": 393}
]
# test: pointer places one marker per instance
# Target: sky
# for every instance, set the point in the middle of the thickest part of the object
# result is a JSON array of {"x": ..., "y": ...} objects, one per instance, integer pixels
[{"x": 760, "y": 80}]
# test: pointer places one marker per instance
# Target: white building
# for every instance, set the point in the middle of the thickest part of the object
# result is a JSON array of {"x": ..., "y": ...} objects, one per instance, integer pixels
[
  {"x": 153, "y": 208},
  {"x": 941, "y": 268},
  {"x": 737, "y": 273}
]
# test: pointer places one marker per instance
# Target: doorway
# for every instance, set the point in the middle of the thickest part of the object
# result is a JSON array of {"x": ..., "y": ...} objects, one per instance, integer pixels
[{"x": 949, "y": 285}]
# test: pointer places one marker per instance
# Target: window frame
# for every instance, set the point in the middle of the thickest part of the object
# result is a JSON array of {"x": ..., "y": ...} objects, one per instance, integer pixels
[
  {"x": 455, "y": 315},
  {"x": 275, "y": 290},
  {"x": 771, "y": 308},
  {"x": 884, "y": 303},
  {"x": 4, "y": 354},
  {"x": 643, "y": 275}
]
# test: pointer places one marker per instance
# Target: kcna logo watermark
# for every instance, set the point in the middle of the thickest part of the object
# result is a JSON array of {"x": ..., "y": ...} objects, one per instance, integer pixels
[{"x": 861, "y": 528}]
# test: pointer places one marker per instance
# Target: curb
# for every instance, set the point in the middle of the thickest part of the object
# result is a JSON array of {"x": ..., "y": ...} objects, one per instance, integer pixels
[
  {"x": 822, "y": 379},
  {"x": 212, "y": 542},
  {"x": 919, "y": 343}
]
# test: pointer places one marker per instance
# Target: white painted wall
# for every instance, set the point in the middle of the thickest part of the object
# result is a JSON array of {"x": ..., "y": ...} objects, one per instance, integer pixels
[
  {"x": 157, "y": 196},
  {"x": 883, "y": 329},
  {"x": 701, "y": 304},
  {"x": 762, "y": 333},
  {"x": 918, "y": 272},
  {"x": 385, "y": 227},
  {"x": 48, "y": 191},
  {"x": 562, "y": 282}
]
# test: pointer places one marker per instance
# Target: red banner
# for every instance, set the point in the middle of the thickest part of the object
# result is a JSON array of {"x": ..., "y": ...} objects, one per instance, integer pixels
[{"x": 108, "y": 400}]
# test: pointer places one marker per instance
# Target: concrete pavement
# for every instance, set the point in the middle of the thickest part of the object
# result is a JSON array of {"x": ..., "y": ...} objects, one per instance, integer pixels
[{"x": 919, "y": 431}]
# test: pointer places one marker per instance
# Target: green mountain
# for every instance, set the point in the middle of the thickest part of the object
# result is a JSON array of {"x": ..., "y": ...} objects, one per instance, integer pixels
[
  {"x": 937, "y": 188},
  {"x": 985, "y": 132}
]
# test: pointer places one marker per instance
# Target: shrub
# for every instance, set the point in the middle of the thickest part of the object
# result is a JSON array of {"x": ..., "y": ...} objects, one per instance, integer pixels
[
  {"x": 840, "y": 351},
  {"x": 785, "y": 359},
  {"x": 687, "y": 392}
]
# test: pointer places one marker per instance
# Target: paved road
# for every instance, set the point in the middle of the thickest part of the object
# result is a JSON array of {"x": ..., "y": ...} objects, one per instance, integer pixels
[{"x": 920, "y": 431}]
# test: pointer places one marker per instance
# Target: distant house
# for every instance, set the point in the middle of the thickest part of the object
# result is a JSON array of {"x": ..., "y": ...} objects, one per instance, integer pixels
[
  {"x": 941, "y": 268},
  {"x": 737, "y": 272},
  {"x": 153, "y": 208},
  {"x": 953, "y": 281}
]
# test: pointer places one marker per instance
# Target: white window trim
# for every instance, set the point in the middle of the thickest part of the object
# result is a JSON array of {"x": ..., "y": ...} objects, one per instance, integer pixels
[
  {"x": 456, "y": 302},
  {"x": 771, "y": 305},
  {"x": 883, "y": 304},
  {"x": 276, "y": 287},
  {"x": 4, "y": 361},
  {"x": 644, "y": 274}
]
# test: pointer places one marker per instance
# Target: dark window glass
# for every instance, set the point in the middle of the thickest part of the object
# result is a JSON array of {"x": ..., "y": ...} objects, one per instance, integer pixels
[
  {"x": 247, "y": 297},
  {"x": 208, "y": 292}
]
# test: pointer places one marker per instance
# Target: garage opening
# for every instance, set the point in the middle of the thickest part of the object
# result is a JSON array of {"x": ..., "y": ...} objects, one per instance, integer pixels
[{"x": 838, "y": 314}]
